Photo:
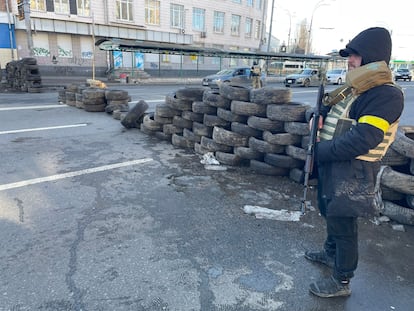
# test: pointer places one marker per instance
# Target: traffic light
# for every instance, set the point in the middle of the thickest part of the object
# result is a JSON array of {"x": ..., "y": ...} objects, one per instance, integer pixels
[{"x": 20, "y": 9}]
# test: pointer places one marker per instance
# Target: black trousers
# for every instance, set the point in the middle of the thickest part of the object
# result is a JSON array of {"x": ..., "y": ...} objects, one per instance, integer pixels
[{"x": 341, "y": 240}]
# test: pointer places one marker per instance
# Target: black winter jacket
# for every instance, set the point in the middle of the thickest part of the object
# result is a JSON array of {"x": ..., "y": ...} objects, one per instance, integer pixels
[{"x": 345, "y": 182}]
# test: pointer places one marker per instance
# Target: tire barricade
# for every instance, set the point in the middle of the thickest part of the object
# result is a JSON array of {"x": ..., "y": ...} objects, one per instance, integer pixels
[
  {"x": 397, "y": 178},
  {"x": 258, "y": 128},
  {"x": 23, "y": 75}
]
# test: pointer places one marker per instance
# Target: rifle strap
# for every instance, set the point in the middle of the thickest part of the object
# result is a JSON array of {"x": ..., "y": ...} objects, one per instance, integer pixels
[{"x": 334, "y": 97}]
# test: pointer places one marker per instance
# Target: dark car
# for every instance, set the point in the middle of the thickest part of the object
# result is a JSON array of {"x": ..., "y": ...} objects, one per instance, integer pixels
[
  {"x": 307, "y": 77},
  {"x": 402, "y": 74},
  {"x": 237, "y": 75}
]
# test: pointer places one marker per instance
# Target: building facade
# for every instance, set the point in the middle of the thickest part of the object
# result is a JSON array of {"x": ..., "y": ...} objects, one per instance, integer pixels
[{"x": 63, "y": 32}]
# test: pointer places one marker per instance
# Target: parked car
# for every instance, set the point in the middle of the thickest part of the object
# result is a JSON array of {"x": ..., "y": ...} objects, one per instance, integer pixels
[
  {"x": 402, "y": 74},
  {"x": 336, "y": 76},
  {"x": 307, "y": 77},
  {"x": 237, "y": 75}
]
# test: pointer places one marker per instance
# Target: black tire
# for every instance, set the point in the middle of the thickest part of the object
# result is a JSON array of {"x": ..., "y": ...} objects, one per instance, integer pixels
[
  {"x": 202, "y": 107},
  {"x": 264, "y": 147},
  {"x": 248, "y": 153},
  {"x": 116, "y": 95},
  {"x": 265, "y": 124},
  {"x": 297, "y": 128},
  {"x": 398, "y": 213},
  {"x": 230, "y": 116},
  {"x": 267, "y": 169},
  {"x": 163, "y": 110},
  {"x": 178, "y": 104},
  {"x": 228, "y": 158},
  {"x": 229, "y": 138},
  {"x": 93, "y": 94},
  {"x": 289, "y": 112},
  {"x": 394, "y": 158},
  {"x": 282, "y": 138},
  {"x": 234, "y": 92},
  {"x": 282, "y": 160},
  {"x": 190, "y": 93},
  {"x": 193, "y": 116},
  {"x": 172, "y": 129},
  {"x": 212, "y": 146},
  {"x": 182, "y": 142},
  {"x": 306, "y": 83},
  {"x": 213, "y": 120},
  {"x": 163, "y": 120},
  {"x": 181, "y": 122},
  {"x": 247, "y": 108},
  {"x": 270, "y": 95},
  {"x": 94, "y": 108},
  {"x": 296, "y": 152},
  {"x": 213, "y": 98},
  {"x": 189, "y": 134},
  {"x": 150, "y": 124},
  {"x": 200, "y": 149},
  {"x": 404, "y": 141},
  {"x": 245, "y": 130},
  {"x": 134, "y": 117},
  {"x": 202, "y": 129}
]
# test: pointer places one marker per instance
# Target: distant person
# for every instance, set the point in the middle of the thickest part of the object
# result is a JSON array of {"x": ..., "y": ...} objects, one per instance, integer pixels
[
  {"x": 255, "y": 74},
  {"x": 353, "y": 137}
]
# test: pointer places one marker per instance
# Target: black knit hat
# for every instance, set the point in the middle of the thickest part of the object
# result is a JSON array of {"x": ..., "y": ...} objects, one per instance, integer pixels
[{"x": 373, "y": 44}]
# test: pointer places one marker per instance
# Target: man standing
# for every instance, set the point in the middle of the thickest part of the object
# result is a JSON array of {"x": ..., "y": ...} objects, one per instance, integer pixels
[
  {"x": 255, "y": 74},
  {"x": 360, "y": 121}
]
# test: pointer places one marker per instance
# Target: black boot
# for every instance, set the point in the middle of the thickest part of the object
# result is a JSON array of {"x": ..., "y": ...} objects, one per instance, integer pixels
[
  {"x": 330, "y": 287},
  {"x": 320, "y": 257}
]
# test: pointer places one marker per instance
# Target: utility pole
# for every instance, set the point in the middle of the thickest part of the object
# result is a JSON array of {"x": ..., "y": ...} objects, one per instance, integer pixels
[
  {"x": 270, "y": 27},
  {"x": 26, "y": 5}
]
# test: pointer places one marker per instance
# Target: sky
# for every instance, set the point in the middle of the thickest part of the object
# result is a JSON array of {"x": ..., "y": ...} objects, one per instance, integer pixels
[{"x": 336, "y": 22}]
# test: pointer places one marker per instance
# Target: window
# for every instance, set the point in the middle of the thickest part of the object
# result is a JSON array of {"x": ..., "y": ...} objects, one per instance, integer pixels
[
  {"x": 86, "y": 47},
  {"x": 38, "y": 5},
  {"x": 177, "y": 16},
  {"x": 250, "y": 3},
  {"x": 61, "y": 6},
  {"x": 84, "y": 8},
  {"x": 235, "y": 25},
  {"x": 248, "y": 27},
  {"x": 257, "y": 30},
  {"x": 198, "y": 19},
  {"x": 124, "y": 10},
  {"x": 64, "y": 43},
  {"x": 41, "y": 44},
  {"x": 259, "y": 4},
  {"x": 218, "y": 22},
  {"x": 152, "y": 12}
]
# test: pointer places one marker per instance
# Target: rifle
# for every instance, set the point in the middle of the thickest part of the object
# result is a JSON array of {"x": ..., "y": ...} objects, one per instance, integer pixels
[{"x": 311, "y": 146}]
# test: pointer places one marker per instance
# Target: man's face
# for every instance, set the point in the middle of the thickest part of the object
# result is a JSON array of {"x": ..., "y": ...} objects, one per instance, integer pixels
[{"x": 354, "y": 61}]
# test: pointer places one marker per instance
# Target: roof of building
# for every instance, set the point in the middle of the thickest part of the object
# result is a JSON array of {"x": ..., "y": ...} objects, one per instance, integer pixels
[{"x": 127, "y": 45}]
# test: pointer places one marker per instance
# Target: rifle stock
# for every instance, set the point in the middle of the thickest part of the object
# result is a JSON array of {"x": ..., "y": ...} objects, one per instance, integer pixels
[{"x": 310, "y": 152}]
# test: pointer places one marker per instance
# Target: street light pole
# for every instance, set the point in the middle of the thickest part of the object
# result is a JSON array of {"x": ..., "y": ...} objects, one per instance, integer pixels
[
  {"x": 308, "y": 41},
  {"x": 270, "y": 27}
]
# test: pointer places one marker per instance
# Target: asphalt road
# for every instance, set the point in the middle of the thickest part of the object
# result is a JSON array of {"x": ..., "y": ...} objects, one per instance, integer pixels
[{"x": 97, "y": 217}]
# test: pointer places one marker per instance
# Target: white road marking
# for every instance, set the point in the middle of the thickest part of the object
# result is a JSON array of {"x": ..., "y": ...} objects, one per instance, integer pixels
[
  {"x": 42, "y": 128},
  {"x": 32, "y": 107},
  {"x": 72, "y": 174}
]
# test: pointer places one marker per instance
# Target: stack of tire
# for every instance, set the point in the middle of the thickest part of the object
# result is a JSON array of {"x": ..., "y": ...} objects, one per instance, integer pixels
[
  {"x": 94, "y": 99},
  {"x": 397, "y": 178},
  {"x": 260, "y": 128},
  {"x": 24, "y": 75}
]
